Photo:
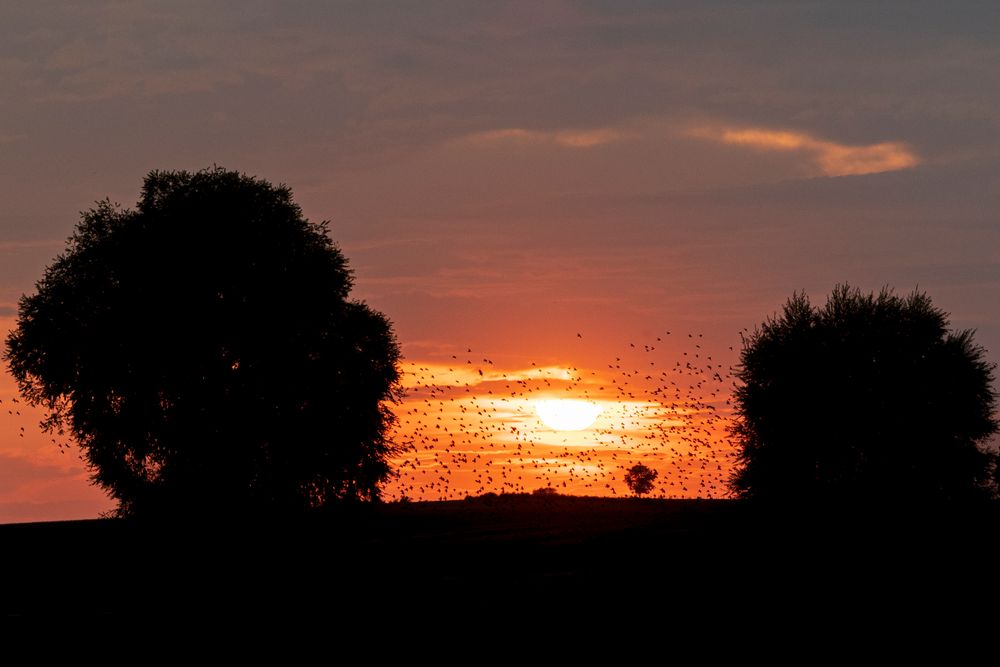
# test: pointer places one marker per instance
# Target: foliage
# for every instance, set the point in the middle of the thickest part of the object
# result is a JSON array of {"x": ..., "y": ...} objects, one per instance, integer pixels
[
  {"x": 203, "y": 351},
  {"x": 869, "y": 397},
  {"x": 640, "y": 478},
  {"x": 545, "y": 492}
]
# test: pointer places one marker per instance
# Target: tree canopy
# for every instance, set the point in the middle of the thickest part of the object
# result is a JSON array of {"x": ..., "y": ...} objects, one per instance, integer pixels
[
  {"x": 640, "y": 478},
  {"x": 203, "y": 351},
  {"x": 869, "y": 397}
]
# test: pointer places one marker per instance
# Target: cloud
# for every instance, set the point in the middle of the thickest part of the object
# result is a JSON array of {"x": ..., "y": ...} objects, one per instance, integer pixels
[
  {"x": 17, "y": 472},
  {"x": 468, "y": 373},
  {"x": 588, "y": 138},
  {"x": 830, "y": 157},
  {"x": 566, "y": 138},
  {"x": 13, "y": 246}
]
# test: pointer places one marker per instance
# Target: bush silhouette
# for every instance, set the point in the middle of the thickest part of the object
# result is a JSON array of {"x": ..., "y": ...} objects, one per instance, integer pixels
[
  {"x": 868, "y": 398},
  {"x": 204, "y": 353},
  {"x": 640, "y": 478}
]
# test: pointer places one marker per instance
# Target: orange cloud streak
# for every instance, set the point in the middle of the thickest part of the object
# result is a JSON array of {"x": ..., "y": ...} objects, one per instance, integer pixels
[
  {"x": 832, "y": 158},
  {"x": 564, "y": 138}
]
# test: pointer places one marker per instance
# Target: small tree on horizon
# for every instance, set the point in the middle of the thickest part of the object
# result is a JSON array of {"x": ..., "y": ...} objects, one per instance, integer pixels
[
  {"x": 870, "y": 397},
  {"x": 204, "y": 353},
  {"x": 640, "y": 478}
]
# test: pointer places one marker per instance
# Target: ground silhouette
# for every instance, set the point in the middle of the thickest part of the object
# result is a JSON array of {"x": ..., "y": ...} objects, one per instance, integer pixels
[
  {"x": 869, "y": 398},
  {"x": 203, "y": 351},
  {"x": 503, "y": 557}
]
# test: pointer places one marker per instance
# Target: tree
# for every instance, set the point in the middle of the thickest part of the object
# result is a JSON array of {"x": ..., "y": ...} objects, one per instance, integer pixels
[
  {"x": 868, "y": 398},
  {"x": 204, "y": 353},
  {"x": 640, "y": 479}
]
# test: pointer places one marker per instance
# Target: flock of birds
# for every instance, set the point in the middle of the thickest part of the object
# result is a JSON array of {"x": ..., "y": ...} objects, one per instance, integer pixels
[
  {"x": 468, "y": 427},
  {"x": 14, "y": 411},
  {"x": 23, "y": 420}
]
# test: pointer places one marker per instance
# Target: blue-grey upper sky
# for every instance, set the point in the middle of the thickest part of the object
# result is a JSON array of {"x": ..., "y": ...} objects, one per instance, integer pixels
[{"x": 501, "y": 174}]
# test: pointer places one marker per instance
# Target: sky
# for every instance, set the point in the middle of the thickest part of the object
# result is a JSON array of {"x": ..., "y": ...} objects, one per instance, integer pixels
[{"x": 535, "y": 190}]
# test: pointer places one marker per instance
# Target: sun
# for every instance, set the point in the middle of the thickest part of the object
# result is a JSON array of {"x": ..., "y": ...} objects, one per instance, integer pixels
[{"x": 566, "y": 414}]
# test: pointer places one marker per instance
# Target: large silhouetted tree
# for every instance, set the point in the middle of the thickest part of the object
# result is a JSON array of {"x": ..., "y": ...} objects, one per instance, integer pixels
[
  {"x": 204, "y": 353},
  {"x": 868, "y": 398}
]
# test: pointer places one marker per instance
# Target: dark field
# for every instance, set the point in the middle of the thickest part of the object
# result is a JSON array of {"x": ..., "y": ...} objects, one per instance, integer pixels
[{"x": 488, "y": 555}]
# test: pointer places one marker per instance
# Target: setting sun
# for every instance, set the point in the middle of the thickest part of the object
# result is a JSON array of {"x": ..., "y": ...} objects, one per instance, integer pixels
[{"x": 567, "y": 414}]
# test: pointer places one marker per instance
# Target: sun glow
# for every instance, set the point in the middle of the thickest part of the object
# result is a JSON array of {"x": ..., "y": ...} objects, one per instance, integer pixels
[{"x": 567, "y": 414}]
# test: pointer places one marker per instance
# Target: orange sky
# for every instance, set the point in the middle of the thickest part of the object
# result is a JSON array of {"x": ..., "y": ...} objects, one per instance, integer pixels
[
  {"x": 469, "y": 425},
  {"x": 473, "y": 426},
  {"x": 39, "y": 480},
  {"x": 504, "y": 176}
]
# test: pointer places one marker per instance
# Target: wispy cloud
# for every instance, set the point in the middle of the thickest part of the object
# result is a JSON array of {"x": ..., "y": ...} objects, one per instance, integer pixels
[
  {"x": 469, "y": 373},
  {"x": 22, "y": 245},
  {"x": 830, "y": 157},
  {"x": 588, "y": 138}
]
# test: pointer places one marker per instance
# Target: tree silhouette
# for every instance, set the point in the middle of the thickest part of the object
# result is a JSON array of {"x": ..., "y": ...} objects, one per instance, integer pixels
[
  {"x": 640, "y": 479},
  {"x": 868, "y": 398},
  {"x": 204, "y": 353}
]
